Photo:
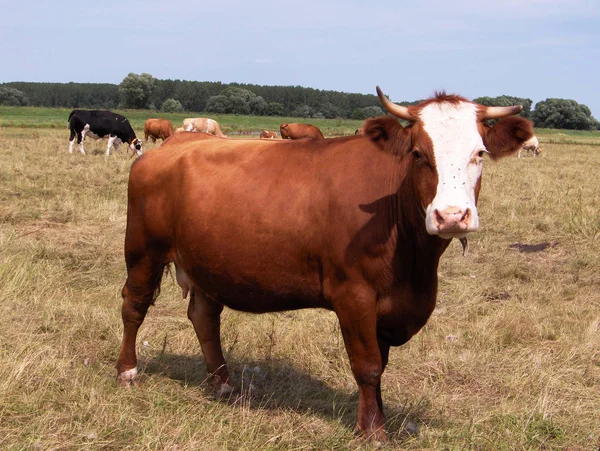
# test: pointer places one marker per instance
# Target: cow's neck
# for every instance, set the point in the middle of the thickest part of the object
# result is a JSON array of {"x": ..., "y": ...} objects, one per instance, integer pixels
[{"x": 419, "y": 251}]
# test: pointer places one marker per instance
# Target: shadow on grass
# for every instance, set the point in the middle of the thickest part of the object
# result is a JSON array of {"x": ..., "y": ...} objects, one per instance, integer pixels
[{"x": 277, "y": 384}]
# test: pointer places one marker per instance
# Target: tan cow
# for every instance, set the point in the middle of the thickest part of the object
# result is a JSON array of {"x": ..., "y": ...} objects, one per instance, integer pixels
[
  {"x": 355, "y": 225},
  {"x": 268, "y": 134},
  {"x": 299, "y": 131},
  {"x": 532, "y": 145},
  {"x": 203, "y": 124},
  {"x": 157, "y": 129}
]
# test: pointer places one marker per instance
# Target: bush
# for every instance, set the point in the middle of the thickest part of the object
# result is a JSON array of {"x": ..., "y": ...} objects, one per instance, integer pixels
[
  {"x": 563, "y": 113},
  {"x": 171, "y": 106},
  {"x": 12, "y": 97}
]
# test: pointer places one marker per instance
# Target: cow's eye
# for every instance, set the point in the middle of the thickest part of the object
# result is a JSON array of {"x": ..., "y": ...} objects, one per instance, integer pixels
[
  {"x": 481, "y": 153},
  {"x": 420, "y": 158}
]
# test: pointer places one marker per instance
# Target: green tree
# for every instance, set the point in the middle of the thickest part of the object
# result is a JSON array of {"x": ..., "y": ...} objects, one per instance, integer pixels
[
  {"x": 258, "y": 106},
  {"x": 358, "y": 113},
  {"x": 302, "y": 111},
  {"x": 563, "y": 113},
  {"x": 239, "y": 99},
  {"x": 274, "y": 109},
  {"x": 12, "y": 97},
  {"x": 135, "y": 91},
  {"x": 218, "y": 104},
  {"x": 171, "y": 106},
  {"x": 372, "y": 111}
]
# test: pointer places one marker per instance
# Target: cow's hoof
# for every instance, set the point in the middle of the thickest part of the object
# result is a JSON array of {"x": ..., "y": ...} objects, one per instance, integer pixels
[
  {"x": 127, "y": 378},
  {"x": 376, "y": 436}
]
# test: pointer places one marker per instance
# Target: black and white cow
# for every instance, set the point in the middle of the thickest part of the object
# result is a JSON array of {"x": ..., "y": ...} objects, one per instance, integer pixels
[{"x": 101, "y": 124}]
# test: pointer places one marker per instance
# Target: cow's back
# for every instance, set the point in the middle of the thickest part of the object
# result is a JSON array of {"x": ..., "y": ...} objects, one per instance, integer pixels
[{"x": 261, "y": 209}]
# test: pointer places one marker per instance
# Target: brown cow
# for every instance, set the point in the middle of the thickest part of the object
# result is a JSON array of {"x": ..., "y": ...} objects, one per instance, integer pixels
[
  {"x": 203, "y": 124},
  {"x": 268, "y": 134},
  {"x": 299, "y": 131},
  {"x": 157, "y": 129},
  {"x": 356, "y": 225}
]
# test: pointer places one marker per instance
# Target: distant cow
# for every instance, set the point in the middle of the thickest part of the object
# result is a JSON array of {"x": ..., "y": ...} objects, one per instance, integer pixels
[
  {"x": 532, "y": 145},
  {"x": 101, "y": 124},
  {"x": 299, "y": 131},
  {"x": 157, "y": 129},
  {"x": 268, "y": 134},
  {"x": 203, "y": 124}
]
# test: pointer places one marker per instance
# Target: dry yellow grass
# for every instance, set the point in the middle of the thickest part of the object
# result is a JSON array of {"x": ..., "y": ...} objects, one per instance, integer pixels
[{"x": 509, "y": 360}]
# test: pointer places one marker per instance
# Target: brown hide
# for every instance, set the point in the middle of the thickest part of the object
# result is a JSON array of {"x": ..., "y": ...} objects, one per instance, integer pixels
[
  {"x": 203, "y": 124},
  {"x": 157, "y": 129},
  {"x": 299, "y": 131},
  {"x": 272, "y": 225},
  {"x": 268, "y": 134}
]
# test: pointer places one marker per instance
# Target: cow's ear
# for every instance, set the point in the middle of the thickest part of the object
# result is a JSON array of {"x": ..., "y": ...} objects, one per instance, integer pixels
[
  {"x": 387, "y": 133},
  {"x": 507, "y": 136}
]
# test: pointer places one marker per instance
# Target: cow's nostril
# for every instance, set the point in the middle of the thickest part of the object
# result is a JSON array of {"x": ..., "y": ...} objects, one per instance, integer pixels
[
  {"x": 466, "y": 216},
  {"x": 439, "y": 218}
]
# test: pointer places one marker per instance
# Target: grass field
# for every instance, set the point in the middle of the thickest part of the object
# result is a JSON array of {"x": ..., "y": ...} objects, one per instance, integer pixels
[
  {"x": 509, "y": 360},
  {"x": 29, "y": 117}
]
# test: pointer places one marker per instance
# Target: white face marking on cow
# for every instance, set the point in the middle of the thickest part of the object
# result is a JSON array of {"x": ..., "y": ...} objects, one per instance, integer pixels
[{"x": 456, "y": 145}]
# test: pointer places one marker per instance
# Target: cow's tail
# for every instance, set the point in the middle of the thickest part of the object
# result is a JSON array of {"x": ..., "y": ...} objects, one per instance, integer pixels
[{"x": 70, "y": 116}]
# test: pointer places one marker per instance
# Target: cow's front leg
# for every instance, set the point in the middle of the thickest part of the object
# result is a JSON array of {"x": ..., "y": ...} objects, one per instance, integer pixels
[
  {"x": 205, "y": 315},
  {"x": 356, "y": 310}
]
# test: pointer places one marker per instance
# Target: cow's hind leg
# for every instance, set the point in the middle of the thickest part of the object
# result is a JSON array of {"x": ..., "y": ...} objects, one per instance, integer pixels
[
  {"x": 139, "y": 292},
  {"x": 205, "y": 315},
  {"x": 72, "y": 136}
]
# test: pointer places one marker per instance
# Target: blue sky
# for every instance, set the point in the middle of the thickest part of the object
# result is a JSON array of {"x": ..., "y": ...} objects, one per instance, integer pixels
[{"x": 535, "y": 49}]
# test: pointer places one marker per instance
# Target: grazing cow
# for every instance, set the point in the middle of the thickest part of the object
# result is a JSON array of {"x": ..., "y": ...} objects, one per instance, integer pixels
[
  {"x": 299, "y": 131},
  {"x": 157, "y": 129},
  {"x": 268, "y": 134},
  {"x": 203, "y": 124},
  {"x": 178, "y": 130},
  {"x": 100, "y": 124},
  {"x": 532, "y": 145},
  {"x": 355, "y": 224}
]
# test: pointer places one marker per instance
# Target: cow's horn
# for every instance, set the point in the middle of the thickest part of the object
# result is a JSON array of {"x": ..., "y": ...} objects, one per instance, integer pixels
[
  {"x": 392, "y": 108},
  {"x": 497, "y": 112}
]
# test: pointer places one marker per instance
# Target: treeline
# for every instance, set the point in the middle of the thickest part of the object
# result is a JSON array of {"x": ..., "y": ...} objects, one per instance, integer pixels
[{"x": 143, "y": 91}]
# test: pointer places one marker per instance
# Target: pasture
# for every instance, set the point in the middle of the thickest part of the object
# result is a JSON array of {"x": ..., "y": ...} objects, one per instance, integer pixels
[
  {"x": 29, "y": 117},
  {"x": 510, "y": 358}
]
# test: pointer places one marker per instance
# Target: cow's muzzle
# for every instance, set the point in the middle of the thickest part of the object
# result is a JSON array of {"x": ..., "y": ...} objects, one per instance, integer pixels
[{"x": 453, "y": 222}]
